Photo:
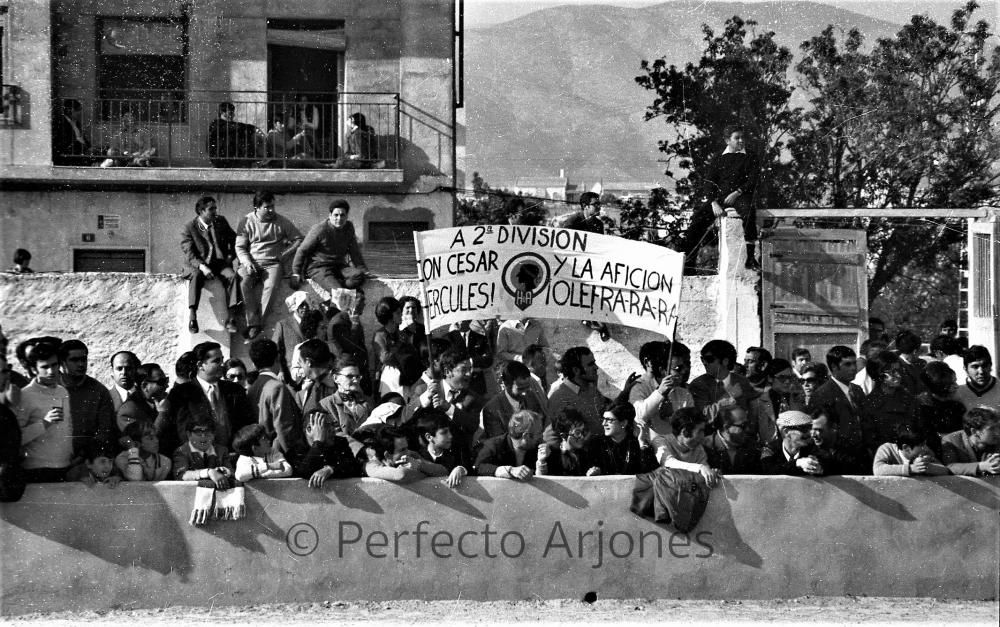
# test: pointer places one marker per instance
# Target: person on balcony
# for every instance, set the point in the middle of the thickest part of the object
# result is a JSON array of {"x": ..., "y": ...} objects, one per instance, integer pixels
[
  {"x": 132, "y": 146},
  {"x": 361, "y": 149},
  {"x": 288, "y": 146},
  {"x": 231, "y": 144},
  {"x": 71, "y": 145}
]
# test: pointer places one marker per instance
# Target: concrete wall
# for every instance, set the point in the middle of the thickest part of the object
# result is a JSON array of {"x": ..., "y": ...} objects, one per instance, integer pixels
[
  {"x": 69, "y": 547},
  {"x": 27, "y": 65}
]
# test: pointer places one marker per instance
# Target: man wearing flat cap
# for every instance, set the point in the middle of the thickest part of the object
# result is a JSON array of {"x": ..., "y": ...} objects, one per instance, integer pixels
[{"x": 794, "y": 453}]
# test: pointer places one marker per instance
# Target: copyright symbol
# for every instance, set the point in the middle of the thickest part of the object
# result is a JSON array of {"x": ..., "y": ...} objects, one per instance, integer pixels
[{"x": 302, "y": 539}]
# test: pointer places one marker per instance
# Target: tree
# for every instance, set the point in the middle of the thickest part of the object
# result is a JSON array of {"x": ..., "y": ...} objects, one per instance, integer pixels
[
  {"x": 500, "y": 207},
  {"x": 658, "y": 220},
  {"x": 739, "y": 79},
  {"x": 909, "y": 124}
]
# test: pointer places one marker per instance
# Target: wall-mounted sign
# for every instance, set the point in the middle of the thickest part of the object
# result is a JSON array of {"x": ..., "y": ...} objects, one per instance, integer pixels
[{"x": 109, "y": 221}]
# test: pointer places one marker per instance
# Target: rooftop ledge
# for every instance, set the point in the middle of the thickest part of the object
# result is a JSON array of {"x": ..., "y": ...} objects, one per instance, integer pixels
[{"x": 34, "y": 176}]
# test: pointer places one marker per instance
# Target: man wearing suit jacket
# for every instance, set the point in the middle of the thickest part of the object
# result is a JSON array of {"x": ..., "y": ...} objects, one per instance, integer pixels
[
  {"x": 514, "y": 455},
  {"x": 453, "y": 395},
  {"x": 517, "y": 394},
  {"x": 720, "y": 388},
  {"x": 842, "y": 400},
  {"x": 150, "y": 403},
  {"x": 209, "y": 247},
  {"x": 125, "y": 368},
  {"x": 478, "y": 348},
  {"x": 275, "y": 403},
  {"x": 208, "y": 395}
]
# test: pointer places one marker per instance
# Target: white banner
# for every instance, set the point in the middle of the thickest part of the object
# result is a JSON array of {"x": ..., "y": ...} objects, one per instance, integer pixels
[{"x": 478, "y": 272}]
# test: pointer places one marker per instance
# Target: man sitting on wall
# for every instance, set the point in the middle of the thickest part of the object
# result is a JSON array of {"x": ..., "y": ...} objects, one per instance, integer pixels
[
  {"x": 231, "y": 144},
  {"x": 330, "y": 254},
  {"x": 209, "y": 247}
]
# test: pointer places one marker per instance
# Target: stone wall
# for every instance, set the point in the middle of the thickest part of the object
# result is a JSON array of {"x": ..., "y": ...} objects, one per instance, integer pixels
[{"x": 67, "y": 547}]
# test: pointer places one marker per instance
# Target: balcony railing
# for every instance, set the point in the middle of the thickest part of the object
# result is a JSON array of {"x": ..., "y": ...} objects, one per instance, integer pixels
[{"x": 174, "y": 129}]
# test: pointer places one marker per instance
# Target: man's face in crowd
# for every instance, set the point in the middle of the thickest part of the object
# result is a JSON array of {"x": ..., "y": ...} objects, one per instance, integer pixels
[
  {"x": 695, "y": 439},
  {"x": 460, "y": 376},
  {"x": 680, "y": 368},
  {"x": 735, "y": 141},
  {"x": 823, "y": 433},
  {"x": 876, "y": 329},
  {"x": 210, "y": 213},
  {"x": 588, "y": 368},
  {"x": 736, "y": 432},
  {"x": 211, "y": 368},
  {"x": 442, "y": 439},
  {"x": 338, "y": 217},
  {"x": 795, "y": 440},
  {"x": 988, "y": 436},
  {"x": 714, "y": 366},
  {"x": 201, "y": 438},
  {"x": 349, "y": 379},
  {"x": 754, "y": 364},
  {"x": 592, "y": 208},
  {"x": 529, "y": 440},
  {"x": 846, "y": 370},
  {"x": 266, "y": 212},
  {"x": 949, "y": 330},
  {"x": 154, "y": 387},
  {"x": 537, "y": 364},
  {"x": 800, "y": 362},
  {"x": 892, "y": 378},
  {"x": 979, "y": 371},
  {"x": 124, "y": 367},
  {"x": 613, "y": 428},
  {"x": 48, "y": 371},
  {"x": 75, "y": 365},
  {"x": 518, "y": 389}
]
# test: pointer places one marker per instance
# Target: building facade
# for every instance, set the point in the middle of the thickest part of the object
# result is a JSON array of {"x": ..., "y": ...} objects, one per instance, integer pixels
[{"x": 119, "y": 114}]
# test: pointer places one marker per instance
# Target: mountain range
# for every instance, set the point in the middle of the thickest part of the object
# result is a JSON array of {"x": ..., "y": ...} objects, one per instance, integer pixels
[{"x": 554, "y": 89}]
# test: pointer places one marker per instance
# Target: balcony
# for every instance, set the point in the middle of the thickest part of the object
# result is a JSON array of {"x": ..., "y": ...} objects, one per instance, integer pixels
[{"x": 229, "y": 139}]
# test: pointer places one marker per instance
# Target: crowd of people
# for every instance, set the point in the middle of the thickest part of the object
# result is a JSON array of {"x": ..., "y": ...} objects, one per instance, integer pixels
[{"x": 401, "y": 405}]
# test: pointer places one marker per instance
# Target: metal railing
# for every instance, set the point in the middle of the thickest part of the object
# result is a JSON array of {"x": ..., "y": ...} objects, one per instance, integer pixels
[{"x": 243, "y": 129}]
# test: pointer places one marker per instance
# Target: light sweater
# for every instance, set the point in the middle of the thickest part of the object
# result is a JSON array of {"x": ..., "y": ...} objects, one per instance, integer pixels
[
  {"x": 264, "y": 242},
  {"x": 249, "y": 468},
  {"x": 51, "y": 447}
]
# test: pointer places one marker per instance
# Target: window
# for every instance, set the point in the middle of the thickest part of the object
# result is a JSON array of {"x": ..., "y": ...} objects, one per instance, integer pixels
[
  {"x": 109, "y": 260},
  {"x": 142, "y": 68},
  {"x": 389, "y": 248}
]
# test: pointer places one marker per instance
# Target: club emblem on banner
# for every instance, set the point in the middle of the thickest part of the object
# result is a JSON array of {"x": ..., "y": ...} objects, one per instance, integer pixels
[{"x": 525, "y": 277}]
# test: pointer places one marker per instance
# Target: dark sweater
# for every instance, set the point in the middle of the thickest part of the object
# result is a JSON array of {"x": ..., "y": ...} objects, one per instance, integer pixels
[{"x": 326, "y": 246}]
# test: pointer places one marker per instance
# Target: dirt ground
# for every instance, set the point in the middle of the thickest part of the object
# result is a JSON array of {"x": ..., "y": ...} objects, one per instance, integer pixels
[{"x": 836, "y": 610}]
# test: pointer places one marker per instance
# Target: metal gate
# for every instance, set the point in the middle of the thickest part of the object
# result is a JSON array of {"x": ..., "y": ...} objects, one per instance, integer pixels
[{"x": 814, "y": 292}]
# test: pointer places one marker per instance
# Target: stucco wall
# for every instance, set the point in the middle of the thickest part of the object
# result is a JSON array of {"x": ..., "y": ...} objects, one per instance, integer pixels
[
  {"x": 148, "y": 315},
  {"x": 70, "y": 547},
  {"x": 109, "y": 312}
]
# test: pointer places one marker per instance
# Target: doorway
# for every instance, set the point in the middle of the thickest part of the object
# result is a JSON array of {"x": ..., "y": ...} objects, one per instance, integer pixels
[{"x": 305, "y": 81}]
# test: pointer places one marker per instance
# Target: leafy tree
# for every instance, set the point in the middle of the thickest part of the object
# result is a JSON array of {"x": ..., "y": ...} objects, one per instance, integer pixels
[
  {"x": 909, "y": 124},
  {"x": 658, "y": 221},
  {"x": 740, "y": 78},
  {"x": 500, "y": 207}
]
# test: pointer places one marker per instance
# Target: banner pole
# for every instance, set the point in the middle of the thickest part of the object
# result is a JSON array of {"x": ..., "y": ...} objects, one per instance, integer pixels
[{"x": 423, "y": 293}]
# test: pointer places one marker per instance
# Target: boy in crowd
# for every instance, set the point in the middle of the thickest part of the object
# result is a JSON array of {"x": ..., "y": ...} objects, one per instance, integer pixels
[
  {"x": 617, "y": 451},
  {"x": 258, "y": 459},
  {"x": 683, "y": 448},
  {"x": 974, "y": 450},
  {"x": 100, "y": 466},
  {"x": 980, "y": 385},
  {"x": 141, "y": 460},
  {"x": 515, "y": 455},
  {"x": 907, "y": 455},
  {"x": 390, "y": 458},
  {"x": 45, "y": 419},
  {"x": 329, "y": 455},
  {"x": 720, "y": 387},
  {"x": 200, "y": 459},
  {"x": 433, "y": 430}
]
